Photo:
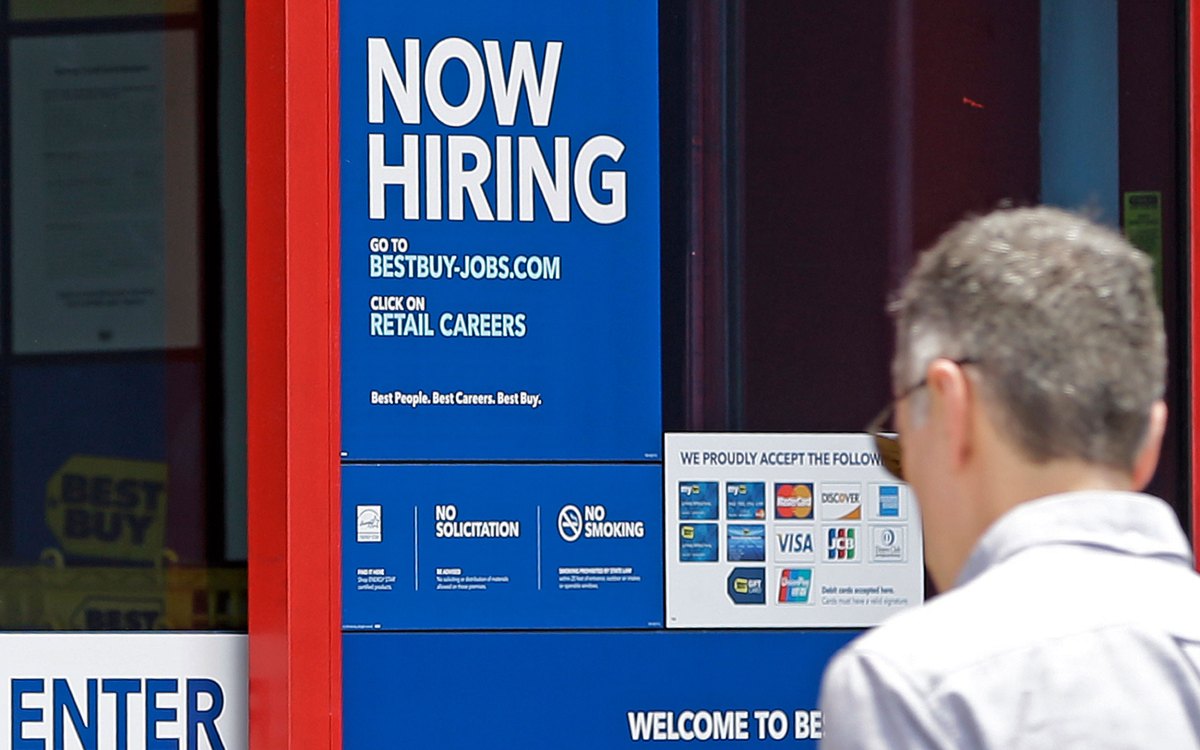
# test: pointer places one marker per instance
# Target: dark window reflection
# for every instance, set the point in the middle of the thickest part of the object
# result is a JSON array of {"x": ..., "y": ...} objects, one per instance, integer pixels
[{"x": 122, "y": 357}]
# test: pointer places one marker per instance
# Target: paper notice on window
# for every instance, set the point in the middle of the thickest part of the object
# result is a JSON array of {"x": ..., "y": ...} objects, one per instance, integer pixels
[{"x": 105, "y": 205}]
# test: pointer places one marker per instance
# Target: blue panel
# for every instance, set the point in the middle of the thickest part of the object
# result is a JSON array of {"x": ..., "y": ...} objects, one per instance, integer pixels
[
  {"x": 574, "y": 690},
  {"x": 568, "y": 368},
  {"x": 1079, "y": 106},
  {"x": 502, "y": 546}
]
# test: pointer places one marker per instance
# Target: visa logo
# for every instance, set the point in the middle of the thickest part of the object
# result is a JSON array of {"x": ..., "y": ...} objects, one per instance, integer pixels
[{"x": 795, "y": 542}]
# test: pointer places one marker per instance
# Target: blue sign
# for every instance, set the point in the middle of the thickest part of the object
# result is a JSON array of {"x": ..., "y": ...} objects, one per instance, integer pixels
[
  {"x": 698, "y": 542},
  {"x": 585, "y": 691},
  {"x": 889, "y": 501},
  {"x": 500, "y": 231},
  {"x": 746, "y": 542},
  {"x": 501, "y": 546},
  {"x": 746, "y": 500},
  {"x": 698, "y": 501},
  {"x": 747, "y": 585}
]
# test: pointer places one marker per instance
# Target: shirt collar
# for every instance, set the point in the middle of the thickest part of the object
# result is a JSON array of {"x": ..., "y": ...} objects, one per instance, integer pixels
[{"x": 1125, "y": 522}]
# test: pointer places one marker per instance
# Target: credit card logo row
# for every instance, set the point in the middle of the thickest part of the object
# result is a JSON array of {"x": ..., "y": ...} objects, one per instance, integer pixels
[
  {"x": 702, "y": 543},
  {"x": 792, "y": 501},
  {"x": 749, "y": 586}
]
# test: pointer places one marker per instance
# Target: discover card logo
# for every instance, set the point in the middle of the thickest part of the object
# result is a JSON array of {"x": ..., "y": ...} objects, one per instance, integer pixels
[{"x": 841, "y": 502}]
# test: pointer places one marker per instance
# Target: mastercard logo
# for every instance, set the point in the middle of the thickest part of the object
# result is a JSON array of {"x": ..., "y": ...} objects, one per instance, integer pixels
[{"x": 794, "y": 500}]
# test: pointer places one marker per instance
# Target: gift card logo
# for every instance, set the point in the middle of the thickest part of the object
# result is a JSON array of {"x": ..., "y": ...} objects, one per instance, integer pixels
[{"x": 747, "y": 585}]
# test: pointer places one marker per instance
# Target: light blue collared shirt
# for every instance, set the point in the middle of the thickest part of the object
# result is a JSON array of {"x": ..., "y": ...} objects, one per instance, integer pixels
[{"x": 1074, "y": 624}]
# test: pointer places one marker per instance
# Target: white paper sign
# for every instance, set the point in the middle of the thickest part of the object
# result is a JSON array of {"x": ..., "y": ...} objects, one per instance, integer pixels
[
  {"x": 105, "y": 211},
  {"x": 786, "y": 530},
  {"x": 184, "y": 690}
]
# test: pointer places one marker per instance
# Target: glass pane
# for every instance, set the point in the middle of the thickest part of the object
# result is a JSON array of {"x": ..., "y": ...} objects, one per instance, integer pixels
[
  {"x": 122, "y": 363},
  {"x": 823, "y": 145}
]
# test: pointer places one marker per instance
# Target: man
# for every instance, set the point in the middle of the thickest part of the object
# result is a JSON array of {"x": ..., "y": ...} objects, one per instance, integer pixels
[{"x": 1029, "y": 373}]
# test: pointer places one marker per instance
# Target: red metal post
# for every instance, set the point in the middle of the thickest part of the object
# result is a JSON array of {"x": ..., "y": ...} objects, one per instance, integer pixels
[{"x": 292, "y": 321}]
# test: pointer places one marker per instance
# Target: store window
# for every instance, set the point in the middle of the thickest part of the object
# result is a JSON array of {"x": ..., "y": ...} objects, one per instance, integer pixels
[
  {"x": 820, "y": 146},
  {"x": 122, "y": 354}
]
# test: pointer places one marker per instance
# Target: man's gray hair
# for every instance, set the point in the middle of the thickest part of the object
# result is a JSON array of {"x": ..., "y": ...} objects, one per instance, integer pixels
[{"x": 1058, "y": 316}]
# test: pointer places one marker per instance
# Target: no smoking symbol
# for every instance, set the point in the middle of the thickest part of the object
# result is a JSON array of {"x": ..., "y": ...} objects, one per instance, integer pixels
[{"x": 570, "y": 523}]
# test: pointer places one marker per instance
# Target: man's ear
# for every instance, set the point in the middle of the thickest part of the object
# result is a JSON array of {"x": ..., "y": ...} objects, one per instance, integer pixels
[
  {"x": 952, "y": 401},
  {"x": 1146, "y": 460}
]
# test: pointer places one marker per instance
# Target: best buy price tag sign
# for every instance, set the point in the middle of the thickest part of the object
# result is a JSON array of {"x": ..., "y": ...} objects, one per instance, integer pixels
[{"x": 111, "y": 508}]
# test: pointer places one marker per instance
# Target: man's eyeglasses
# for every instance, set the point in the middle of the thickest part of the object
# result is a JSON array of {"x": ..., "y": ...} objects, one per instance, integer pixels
[{"x": 888, "y": 443}]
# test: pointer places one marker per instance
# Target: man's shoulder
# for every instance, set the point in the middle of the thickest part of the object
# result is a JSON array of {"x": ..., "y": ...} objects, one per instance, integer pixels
[
  {"x": 938, "y": 637},
  {"x": 1029, "y": 603}
]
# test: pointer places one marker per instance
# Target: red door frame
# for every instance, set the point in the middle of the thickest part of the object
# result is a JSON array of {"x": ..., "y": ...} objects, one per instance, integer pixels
[{"x": 292, "y": 339}]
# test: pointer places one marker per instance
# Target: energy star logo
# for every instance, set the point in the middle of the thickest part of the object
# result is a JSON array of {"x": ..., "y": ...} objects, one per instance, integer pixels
[
  {"x": 368, "y": 522},
  {"x": 841, "y": 544}
]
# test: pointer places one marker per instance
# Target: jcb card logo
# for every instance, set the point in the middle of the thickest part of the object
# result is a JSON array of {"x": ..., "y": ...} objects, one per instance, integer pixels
[
  {"x": 841, "y": 502},
  {"x": 841, "y": 544}
]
